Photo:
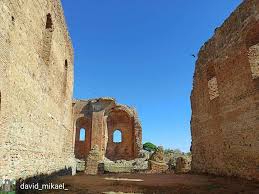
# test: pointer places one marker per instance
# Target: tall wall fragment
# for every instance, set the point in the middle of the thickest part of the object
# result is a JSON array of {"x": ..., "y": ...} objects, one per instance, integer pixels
[{"x": 225, "y": 98}]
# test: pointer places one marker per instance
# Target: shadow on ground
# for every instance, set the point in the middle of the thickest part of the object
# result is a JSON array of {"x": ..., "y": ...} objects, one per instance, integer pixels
[{"x": 152, "y": 184}]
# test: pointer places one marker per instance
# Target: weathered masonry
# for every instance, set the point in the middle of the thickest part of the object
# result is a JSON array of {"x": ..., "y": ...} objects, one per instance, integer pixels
[
  {"x": 225, "y": 98},
  {"x": 97, "y": 121},
  {"x": 36, "y": 84}
]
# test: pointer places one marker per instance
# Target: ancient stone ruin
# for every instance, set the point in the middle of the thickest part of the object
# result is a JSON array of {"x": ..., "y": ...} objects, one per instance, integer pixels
[
  {"x": 156, "y": 162},
  {"x": 225, "y": 98},
  {"x": 43, "y": 131},
  {"x": 99, "y": 120},
  {"x": 40, "y": 124},
  {"x": 92, "y": 161},
  {"x": 183, "y": 165},
  {"x": 36, "y": 84}
]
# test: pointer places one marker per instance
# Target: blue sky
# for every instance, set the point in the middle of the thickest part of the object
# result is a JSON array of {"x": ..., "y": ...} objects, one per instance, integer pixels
[{"x": 139, "y": 52}]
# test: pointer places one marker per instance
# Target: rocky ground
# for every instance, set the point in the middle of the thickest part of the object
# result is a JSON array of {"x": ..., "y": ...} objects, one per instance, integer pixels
[
  {"x": 153, "y": 184},
  {"x": 138, "y": 164}
]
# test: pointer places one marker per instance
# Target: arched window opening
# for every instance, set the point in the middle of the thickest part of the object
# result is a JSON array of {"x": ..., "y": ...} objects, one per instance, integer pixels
[
  {"x": 252, "y": 44},
  {"x": 47, "y": 40},
  {"x": 212, "y": 83},
  {"x": 65, "y": 77},
  {"x": 211, "y": 72},
  {"x": 82, "y": 134},
  {"x": 117, "y": 136},
  {"x": 49, "y": 23},
  {"x": 66, "y": 65},
  {"x": 253, "y": 55}
]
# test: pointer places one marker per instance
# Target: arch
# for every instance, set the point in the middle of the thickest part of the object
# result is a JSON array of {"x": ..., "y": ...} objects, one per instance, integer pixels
[
  {"x": 83, "y": 127},
  {"x": 66, "y": 65},
  {"x": 120, "y": 120},
  {"x": 212, "y": 82},
  {"x": 253, "y": 56},
  {"x": 65, "y": 77},
  {"x": 251, "y": 36},
  {"x": 49, "y": 23},
  {"x": 117, "y": 136},
  {"x": 47, "y": 39},
  {"x": 119, "y": 108},
  {"x": 211, "y": 72},
  {"x": 252, "y": 44}
]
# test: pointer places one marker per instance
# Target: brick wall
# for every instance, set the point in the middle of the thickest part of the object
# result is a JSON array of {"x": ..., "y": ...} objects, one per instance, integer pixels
[
  {"x": 36, "y": 112},
  {"x": 101, "y": 117},
  {"x": 120, "y": 120},
  {"x": 225, "y": 123}
]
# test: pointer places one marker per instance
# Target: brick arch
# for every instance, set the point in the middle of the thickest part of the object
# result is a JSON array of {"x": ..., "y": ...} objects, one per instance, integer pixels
[
  {"x": 119, "y": 119},
  {"x": 82, "y": 148},
  {"x": 252, "y": 45},
  {"x": 49, "y": 23},
  {"x": 212, "y": 82},
  {"x": 252, "y": 37},
  {"x": 119, "y": 108},
  {"x": 47, "y": 39},
  {"x": 210, "y": 72}
]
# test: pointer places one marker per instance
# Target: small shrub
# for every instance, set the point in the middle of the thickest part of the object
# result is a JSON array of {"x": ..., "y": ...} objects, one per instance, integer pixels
[{"x": 149, "y": 147}]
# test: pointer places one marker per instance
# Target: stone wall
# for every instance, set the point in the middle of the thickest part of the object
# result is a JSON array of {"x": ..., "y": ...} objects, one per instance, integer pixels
[
  {"x": 156, "y": 162},
  {"x": 82, "y": 148},
  {"x": 120, "y": 120},
  {"x": 103, "y": 117},
  {"x": 36, "y": 83},
  {"x": 225, "y": 98}
]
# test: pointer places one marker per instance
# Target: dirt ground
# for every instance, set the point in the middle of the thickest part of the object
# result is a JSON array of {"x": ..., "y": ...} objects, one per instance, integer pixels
[{"x": 154, "y": 183}]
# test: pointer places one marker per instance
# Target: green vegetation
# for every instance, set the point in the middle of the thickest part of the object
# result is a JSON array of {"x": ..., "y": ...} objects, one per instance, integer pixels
[
  {"x": 172, "y": 154},
  {"x": 173, "y": 151},
  {"x": 189, "y": 154},
  {"x": 148, "y": 146},
  {"x": 177, "y": 152}
]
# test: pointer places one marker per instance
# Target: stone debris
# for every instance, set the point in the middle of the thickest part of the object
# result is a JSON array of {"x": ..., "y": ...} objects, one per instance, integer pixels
[
  {"x": 80, "y": 165},
  {"x": 123, "y": 166},
  {"x": 156, "y": 162},
  {"x": 182, "y": 165},
  {"x": 92, "y": 161}
]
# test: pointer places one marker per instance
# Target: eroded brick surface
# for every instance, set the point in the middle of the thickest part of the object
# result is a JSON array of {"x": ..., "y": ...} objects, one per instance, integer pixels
[
  {"x": 101, "y": 118},
  {"x": 92, "y": 161},
  {"x": 36, "y": 113},
  {"x": 225, "y": 122},
  {"x": 156, "y": 163},
  {"x": 182, "y": 165}
]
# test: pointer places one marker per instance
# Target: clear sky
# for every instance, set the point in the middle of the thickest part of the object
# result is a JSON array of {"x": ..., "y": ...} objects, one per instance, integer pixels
[{"x": 139, "y": 52}]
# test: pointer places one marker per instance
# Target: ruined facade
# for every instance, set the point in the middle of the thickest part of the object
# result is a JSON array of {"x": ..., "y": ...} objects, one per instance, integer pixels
[
  {"x": 225, "y": 98},
  {"x": 36, "y": 84},
  {"x": 97, "y": 120}
]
